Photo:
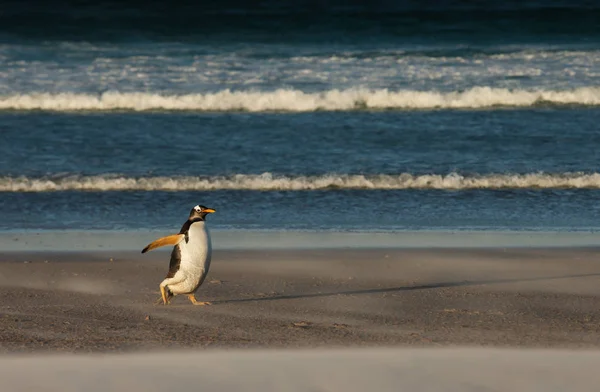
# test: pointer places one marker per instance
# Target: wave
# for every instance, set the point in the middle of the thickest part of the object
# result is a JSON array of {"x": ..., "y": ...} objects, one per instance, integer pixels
[
  {"x": 289, "y": 100},
  {"x": 271, "y": 182}
]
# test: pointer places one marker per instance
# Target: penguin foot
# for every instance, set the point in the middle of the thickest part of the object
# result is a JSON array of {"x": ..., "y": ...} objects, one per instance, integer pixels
[
  {"x": 164, "y": 295},
  {"x": 192, "y": 298}
]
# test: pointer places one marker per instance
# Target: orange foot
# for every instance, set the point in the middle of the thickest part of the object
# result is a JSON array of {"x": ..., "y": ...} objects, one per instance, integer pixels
[{"x": 192, "y": 298}]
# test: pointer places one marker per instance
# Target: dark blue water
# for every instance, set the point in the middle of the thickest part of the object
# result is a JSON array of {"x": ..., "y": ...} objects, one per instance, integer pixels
[
  {"x": 396, "y": 116},
  {"x": 301, "y": 21}
]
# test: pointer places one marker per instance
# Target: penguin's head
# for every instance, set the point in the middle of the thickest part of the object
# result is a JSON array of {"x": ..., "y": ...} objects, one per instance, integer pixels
[{"x": 199, "y": 212}]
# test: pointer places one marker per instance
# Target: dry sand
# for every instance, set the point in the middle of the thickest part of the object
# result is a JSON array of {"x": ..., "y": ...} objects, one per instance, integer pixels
[
  {"x": 70, "y": 302},
  {"x": 347, "y": 370}
]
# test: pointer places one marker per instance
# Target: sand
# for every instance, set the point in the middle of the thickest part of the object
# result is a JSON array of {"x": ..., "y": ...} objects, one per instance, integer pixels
[
  {"x": 86, "y": 303},
  {"x": 503, "y": 319},
  {"x": 348, "y": 370}
]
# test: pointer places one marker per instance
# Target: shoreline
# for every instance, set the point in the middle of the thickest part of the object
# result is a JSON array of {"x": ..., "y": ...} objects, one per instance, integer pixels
[{"x": 74, "y": 240}]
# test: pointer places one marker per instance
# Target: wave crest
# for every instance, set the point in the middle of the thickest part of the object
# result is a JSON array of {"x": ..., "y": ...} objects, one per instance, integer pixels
[
  {"x": 270, "y": 182},
  {"x": 298, "y": 101}
]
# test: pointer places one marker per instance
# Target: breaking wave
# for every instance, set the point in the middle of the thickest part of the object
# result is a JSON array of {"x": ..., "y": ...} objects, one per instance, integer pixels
[
  {"x": 270, "y": 182},
  {"x": 289, "y": 100}
]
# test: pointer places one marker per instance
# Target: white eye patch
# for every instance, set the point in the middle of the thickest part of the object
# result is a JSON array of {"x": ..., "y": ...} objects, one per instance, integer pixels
[{"x": 197, "y": 209}]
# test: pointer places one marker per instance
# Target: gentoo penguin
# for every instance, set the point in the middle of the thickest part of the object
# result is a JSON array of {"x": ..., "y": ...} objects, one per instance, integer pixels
[{"x": 190, "y": 258}]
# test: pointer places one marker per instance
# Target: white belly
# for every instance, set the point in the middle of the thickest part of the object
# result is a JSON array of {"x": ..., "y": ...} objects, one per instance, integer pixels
[
  {"x": 195, "y": 260},
  {"x": 196, "y": 252}
]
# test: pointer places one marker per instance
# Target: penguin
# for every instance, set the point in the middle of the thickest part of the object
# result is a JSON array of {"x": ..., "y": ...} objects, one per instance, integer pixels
[{"x": 190, "y": 258}]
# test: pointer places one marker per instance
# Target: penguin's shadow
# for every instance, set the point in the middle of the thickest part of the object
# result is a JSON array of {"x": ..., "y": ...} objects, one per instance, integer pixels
[{"x": 428, "y": 286}]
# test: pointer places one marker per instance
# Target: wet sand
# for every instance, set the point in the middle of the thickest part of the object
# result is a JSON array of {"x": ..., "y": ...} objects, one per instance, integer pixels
[{"x": 84, "y": 302}]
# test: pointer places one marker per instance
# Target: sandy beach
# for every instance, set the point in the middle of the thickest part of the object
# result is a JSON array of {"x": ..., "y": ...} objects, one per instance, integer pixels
[
  {"x": 105, "y": 302},
  {"x": 496, "y": 319}
]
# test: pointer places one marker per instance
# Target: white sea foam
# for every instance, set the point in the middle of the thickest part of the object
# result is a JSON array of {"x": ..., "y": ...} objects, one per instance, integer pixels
[
  {"x": 270, "y": 182},
  {"x": 299, "y": 101}
]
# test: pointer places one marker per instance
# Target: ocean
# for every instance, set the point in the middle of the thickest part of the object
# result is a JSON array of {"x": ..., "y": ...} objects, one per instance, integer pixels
[{"x": 308, "y": 116}]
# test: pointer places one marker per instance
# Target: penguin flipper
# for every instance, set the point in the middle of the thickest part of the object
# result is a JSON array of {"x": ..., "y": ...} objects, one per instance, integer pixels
[{"x": 164, "y": 241}]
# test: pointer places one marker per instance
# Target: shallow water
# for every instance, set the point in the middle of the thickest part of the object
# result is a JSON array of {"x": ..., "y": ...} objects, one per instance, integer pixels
[{"x": 117, "y": 241}]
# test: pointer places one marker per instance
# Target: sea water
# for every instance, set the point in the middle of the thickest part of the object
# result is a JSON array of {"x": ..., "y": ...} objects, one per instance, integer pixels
[{"x": 392, "y": 117}]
